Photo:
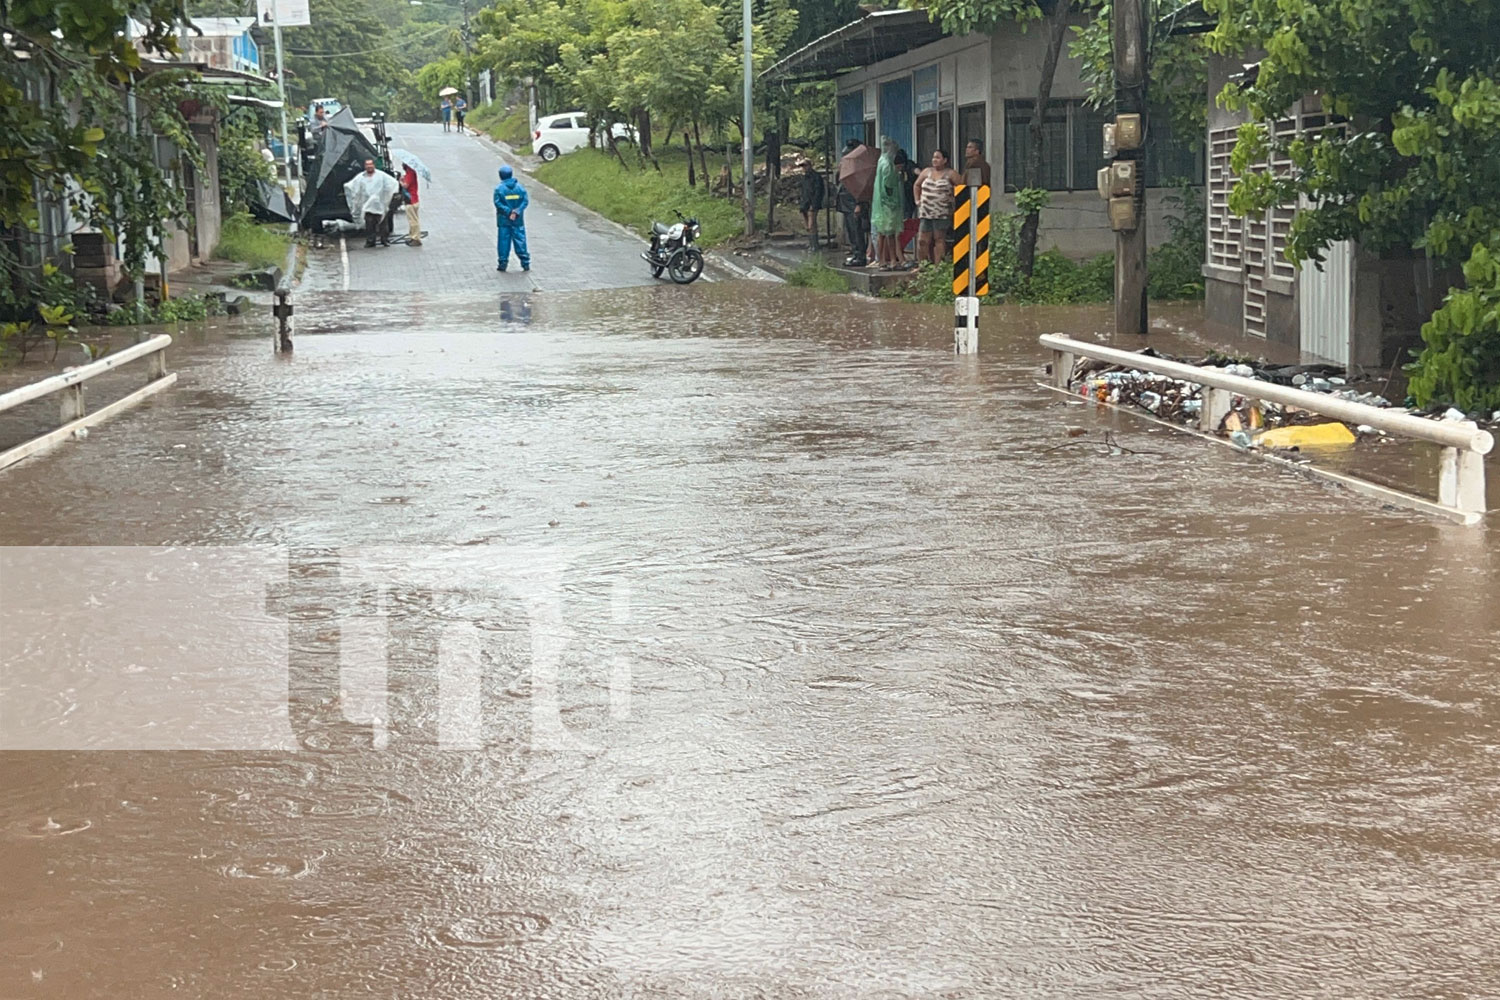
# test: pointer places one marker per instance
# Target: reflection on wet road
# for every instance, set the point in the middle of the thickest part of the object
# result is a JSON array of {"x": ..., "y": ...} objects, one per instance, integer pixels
[{"x": 793, "y": 659}]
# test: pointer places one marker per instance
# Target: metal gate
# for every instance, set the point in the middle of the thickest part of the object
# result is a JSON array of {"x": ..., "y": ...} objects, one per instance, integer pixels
[{"x": 1323, "y": 304}]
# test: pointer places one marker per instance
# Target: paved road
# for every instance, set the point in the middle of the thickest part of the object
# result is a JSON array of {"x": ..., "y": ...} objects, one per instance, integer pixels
[{"x": 571, "y": 247}]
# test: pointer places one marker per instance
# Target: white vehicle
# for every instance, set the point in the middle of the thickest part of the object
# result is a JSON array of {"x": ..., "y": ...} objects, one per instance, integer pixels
[{"x": 563, "y": 133}]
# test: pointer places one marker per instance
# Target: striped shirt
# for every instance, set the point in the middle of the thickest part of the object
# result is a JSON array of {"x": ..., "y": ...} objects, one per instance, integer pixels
[{"x": 937, "y": 197}]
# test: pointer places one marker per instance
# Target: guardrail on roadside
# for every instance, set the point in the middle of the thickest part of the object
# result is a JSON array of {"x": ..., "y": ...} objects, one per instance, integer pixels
[
  {"x": 74, "y": 411},
  {"x": 1464, "y": 444}
]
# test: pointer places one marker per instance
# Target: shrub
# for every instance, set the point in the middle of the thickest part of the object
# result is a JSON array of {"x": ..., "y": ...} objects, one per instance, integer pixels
[
  {"x": 1175, "y": 268},
  {"x": 817, "y": 274},
  {"x": 259, "y": 246}
]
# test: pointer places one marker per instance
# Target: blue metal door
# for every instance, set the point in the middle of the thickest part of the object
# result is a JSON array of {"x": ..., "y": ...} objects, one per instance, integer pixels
[
  {"x": 851, "y": 117},
  {"x": 896, "y": 118}
]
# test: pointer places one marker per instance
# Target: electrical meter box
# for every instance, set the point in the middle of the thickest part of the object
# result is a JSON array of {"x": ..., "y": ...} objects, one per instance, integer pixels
[
  {"x": 1128, "y": 132},
  {"x": 1109, "y": 141},
  {"x": 1122, "y": 179},
  {"x": 1122, "y": 214},
  {"x": 1103, "y": 182}
]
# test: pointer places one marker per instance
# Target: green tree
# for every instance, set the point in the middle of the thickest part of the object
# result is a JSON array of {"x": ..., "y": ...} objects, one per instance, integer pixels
[
  {"x": 347, "y": 52},
  {"x": 1416, "y": 167},
  {"x": 1176, "y": 66}
]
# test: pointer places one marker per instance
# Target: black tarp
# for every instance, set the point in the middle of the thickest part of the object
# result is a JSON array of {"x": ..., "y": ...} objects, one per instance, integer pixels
[
  {"x": 271, "y": 203},
  {"x": 339, "y": 152}
]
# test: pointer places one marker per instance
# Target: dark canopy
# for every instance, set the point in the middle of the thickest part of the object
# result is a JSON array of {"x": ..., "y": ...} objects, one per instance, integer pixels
[
  {"x": 271, "y": 203},
  {"x": 340, "y": 152}
]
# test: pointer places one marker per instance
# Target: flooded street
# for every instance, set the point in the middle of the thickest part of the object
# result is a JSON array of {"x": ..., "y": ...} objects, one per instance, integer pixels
[{"x": 724, "y": 641}]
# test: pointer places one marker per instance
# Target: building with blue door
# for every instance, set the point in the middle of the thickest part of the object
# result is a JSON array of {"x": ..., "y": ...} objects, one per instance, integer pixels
[{"x": 898, "y": 74}]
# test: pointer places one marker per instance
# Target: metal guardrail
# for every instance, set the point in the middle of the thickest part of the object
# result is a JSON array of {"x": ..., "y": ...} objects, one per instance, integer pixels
[
  {"x": 74, "y": 411},
  {"x": 1464, "y": 444}
]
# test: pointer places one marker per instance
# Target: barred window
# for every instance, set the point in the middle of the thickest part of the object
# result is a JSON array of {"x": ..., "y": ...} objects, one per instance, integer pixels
[{"x": 1073, "y": 148}]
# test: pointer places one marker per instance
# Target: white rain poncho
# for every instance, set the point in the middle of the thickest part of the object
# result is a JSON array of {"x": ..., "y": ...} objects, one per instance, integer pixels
[{"x": 369, "y": 193}]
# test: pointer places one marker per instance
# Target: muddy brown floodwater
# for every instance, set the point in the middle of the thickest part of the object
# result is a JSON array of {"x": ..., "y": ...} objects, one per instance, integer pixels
[{"x": 724, "y": 642}]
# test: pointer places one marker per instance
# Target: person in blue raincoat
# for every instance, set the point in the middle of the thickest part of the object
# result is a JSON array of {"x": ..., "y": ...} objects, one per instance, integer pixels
[{"x": 511, "y": 200}]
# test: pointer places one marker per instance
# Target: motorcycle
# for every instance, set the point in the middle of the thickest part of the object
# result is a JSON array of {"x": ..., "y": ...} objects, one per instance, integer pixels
[{"x": 672, "y": 250}]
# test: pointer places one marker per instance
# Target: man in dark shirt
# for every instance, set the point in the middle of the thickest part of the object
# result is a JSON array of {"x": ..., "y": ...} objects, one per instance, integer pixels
[
  {"x": 810, "y": 200},
  {"x": 976, "y": 168}
]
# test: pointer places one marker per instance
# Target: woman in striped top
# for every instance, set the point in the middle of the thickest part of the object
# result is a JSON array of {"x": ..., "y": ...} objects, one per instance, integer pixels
[{"x": 934, "y": 193}]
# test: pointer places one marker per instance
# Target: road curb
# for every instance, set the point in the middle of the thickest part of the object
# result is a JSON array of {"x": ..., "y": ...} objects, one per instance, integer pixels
[{"x": 506, "y": 153}]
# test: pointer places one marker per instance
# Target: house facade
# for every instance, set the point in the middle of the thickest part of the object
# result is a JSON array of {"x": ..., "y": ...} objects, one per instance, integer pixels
[
  {"x": 898, "y": 74},
  {"x": 1359, "y": 309},
  {"x": 222, "y": 43}
]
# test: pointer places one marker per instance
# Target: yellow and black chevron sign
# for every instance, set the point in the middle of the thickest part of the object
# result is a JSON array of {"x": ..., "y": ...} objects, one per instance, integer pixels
[{"x": 971, "y": 205}]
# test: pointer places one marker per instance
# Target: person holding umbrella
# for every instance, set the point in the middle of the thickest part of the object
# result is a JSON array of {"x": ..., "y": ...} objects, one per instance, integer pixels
[
  {"x": 447, "y": 109},
  {"x": 413, "y": 172},
  {"x": 856, "y": 180}
]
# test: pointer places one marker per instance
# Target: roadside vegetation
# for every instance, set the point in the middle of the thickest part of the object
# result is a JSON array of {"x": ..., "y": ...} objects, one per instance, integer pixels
[
  {"x": 1174, "y": 267},
  {"x": 634, "y": 197},
  {"x": 259, "y": 245},
  {"x": 512, "y": 127},
  {"x": 817, "y": 274}
]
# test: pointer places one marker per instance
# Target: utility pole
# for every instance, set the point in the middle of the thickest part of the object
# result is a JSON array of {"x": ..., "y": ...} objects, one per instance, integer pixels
[
  {"x": 1128, "y": 27},
  {"x": 133, "y": 126},
  {"x": 749, "y": 145},
  {"x": 468, "y": 51},
  {"x": 286, "y": 146}
]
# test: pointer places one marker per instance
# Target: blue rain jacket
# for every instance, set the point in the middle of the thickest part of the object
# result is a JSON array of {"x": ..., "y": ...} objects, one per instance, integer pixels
[{"x": 510, "y": 197}]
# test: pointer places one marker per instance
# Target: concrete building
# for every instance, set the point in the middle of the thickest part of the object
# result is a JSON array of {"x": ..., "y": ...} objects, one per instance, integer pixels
[
  {"x": 899, "y": 74},
  {"x": 1359, "y": 309},
  {"x": 222, "y": 43}
]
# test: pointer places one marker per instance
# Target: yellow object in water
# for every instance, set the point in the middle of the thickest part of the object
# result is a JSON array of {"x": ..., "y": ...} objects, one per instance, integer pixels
[{"x": 1332, "y": 435}]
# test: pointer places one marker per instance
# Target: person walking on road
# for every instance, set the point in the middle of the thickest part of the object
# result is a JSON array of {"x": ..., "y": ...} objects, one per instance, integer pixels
[
  {"x": 447, "y": 109},
  {"x": 413, "y": 214},
  {"x": 511, "y": 200},
  {"x": 369, "y": 194},
  {"x": 460, "y": 109}
]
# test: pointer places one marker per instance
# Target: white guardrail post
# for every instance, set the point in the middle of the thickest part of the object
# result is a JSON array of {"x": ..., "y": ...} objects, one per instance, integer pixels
[
  {"x": 73, "y": 409},
  {"x": 1460, "y": 466}
]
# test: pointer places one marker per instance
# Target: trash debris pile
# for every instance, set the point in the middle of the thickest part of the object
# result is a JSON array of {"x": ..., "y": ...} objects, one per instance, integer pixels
[{"x": 1250, "y": 423}]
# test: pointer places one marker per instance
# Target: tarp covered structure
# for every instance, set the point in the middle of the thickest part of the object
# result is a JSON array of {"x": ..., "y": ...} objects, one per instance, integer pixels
[
  {"x": 271, "y": 203},
  {"x": 341, "y": 150}
]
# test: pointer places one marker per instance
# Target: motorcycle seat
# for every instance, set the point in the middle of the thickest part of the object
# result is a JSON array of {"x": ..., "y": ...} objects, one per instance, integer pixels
[{"x": 660, "y": 228}]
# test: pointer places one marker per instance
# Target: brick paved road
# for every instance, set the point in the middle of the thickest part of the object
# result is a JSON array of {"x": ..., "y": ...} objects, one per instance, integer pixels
[{"x": 571, "y": 248}]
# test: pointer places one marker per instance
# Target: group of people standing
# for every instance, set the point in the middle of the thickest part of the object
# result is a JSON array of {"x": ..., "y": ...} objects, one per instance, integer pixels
[
  {"x": 900, "y": 196},
  {"x": 374, "y": 196},
  {"x": 453, "y": 108}
]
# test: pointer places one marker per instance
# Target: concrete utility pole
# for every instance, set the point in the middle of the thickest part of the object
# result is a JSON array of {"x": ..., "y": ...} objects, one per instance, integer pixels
[
  {"x": 132, "y": 125},
  {"x": 1128, "y": 26},
  {"x": 286, "y": 145},
  {"x": 749, "y": 143},
  {"x": 468, "y": 51}
]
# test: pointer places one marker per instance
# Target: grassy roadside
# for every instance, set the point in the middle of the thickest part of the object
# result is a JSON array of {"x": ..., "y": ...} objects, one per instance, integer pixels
[
  {"x": 511, "y": 127},
  {"x": 635, "y": 197},
  {"x": 260, "y": 246}
]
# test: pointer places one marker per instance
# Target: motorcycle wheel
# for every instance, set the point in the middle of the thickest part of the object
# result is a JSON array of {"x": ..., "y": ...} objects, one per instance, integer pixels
[{"x": 685, "y": 265}]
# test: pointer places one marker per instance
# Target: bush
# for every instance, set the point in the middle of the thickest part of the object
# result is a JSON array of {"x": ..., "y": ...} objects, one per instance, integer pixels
[
  {"x": 259, "y": 246},
  {"x": 240, "y": 164},
  {"x": 1461, "y": 362},
  {"x": 1174, "y": 269},
  {"x": 817, "y": 274}
]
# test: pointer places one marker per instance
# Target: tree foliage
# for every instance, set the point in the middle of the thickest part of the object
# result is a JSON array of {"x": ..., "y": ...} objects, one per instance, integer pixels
[
  {"x": 1176, "y": 65},
  {"x": 348, "y": 52},
  {"x": 1415, "y": 167}
]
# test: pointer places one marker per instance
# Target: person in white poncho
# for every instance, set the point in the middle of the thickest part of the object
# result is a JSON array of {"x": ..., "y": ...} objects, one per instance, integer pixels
[{"x": 369, "y": 194}]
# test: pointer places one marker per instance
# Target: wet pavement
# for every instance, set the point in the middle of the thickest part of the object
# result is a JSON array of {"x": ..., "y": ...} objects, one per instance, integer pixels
[
  {"x": 724, "y": 641},
  {"x": 571, "y": 247}
]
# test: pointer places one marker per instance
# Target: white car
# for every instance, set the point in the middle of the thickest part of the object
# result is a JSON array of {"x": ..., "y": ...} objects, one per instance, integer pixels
[{"x": 563, "y": 133}]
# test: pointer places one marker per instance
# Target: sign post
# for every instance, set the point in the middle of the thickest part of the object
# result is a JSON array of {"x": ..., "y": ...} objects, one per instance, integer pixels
[{"x": 971, "y": 263}]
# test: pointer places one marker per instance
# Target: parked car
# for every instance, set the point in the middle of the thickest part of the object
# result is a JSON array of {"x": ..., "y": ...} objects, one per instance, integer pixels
[{"x": 562, "y": 133}]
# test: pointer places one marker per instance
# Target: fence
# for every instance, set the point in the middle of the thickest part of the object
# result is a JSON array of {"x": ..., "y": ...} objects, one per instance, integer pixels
[
  {"x": 74, "y": 411},
  {"x": 1464, "y": 444}
]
